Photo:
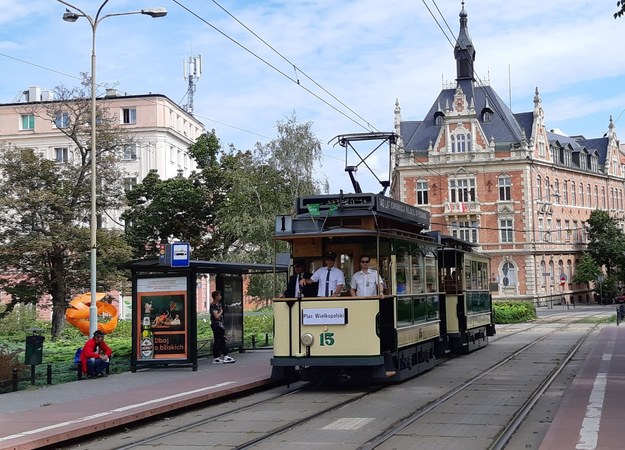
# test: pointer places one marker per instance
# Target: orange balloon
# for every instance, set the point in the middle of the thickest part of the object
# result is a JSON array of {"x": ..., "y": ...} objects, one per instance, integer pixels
[{"x": 78, "y": 312}]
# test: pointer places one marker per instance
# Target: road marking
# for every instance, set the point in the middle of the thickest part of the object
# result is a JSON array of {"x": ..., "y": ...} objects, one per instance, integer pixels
[
  {"x": 348, "y": 423},
  {"x": 112, "y": 411},
  {"x": 589, "y": 433}
]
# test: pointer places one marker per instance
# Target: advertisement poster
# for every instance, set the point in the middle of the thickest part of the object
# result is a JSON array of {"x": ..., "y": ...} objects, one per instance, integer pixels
[{"x": 162, "y": 315}]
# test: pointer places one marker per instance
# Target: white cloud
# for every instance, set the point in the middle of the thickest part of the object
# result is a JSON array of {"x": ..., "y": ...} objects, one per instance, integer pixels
[{"x": 365, "y": 52}]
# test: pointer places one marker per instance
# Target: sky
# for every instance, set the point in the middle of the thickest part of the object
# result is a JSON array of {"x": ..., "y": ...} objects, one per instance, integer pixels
[{"x": 356, "y": 56}]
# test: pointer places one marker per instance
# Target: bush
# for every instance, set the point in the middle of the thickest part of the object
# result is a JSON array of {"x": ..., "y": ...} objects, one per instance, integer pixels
[
  {"x": 513, "y": 312},
  {"x": 9, "y": 360}
]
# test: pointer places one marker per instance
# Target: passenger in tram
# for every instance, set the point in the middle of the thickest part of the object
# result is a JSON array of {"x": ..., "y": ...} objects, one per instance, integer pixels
[
  {"x": 293, "y": 286},
  {"x": 95, "y": 356},
  {"x": 330, "y": 278},
  {"x": 367, "y": 282}
]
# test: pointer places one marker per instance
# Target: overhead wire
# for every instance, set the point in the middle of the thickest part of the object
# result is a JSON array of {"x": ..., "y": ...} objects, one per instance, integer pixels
[
  {"x": 296, "y": 69},
  {"x": 272, "y": 66}
]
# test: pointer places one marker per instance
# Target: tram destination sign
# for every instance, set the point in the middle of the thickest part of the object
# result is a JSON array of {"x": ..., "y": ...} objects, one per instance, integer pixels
[
  {"x": 324, "y": 316},
  {"x": 403, "y": 210}
]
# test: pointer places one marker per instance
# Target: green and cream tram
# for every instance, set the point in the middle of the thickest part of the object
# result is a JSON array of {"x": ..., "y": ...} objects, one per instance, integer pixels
[{"x": 402, "y": 328}]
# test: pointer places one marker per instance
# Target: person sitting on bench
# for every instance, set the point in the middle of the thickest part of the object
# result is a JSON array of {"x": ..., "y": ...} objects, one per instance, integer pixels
[{"x": 95, "y": 356}]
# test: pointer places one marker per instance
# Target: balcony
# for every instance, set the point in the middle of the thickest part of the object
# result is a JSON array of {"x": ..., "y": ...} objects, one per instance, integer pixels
[{"x": 462, "y": 208}]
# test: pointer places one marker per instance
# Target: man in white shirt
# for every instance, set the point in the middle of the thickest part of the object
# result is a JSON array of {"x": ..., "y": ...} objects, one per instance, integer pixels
[
  {"x": 330, "y": 278},
  {"x": 367, "y": 282}
]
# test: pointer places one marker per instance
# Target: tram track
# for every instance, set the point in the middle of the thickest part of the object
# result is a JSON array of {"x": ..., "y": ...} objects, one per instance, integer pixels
[{"x": 286, "y": 422}]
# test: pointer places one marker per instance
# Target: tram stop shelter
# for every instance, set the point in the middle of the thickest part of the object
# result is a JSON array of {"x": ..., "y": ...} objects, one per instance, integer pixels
[{"x": 164, "y": 308}]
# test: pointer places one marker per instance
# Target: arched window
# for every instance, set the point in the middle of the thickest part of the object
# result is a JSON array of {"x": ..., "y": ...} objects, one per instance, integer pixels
[
  {"x": 543, "y": 278},
  {"x": 596, "y": 197},
  {"x": 588, "y": 196},
  {"x": 539, "y": 188},
  {"x": 602, "y": 197},
  {"x": 508, "y": 271}
]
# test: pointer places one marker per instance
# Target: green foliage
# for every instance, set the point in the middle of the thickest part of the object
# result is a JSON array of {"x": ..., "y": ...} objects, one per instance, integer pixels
[
  {"x": 606, "y": 242},
  {"x": 513, "y": 312},
  {"x": 18, "y": 320},
  {"x": 45, "y": 206},
  {"x": 621, "y": 5},
  {"x": 586, "y": 269}
]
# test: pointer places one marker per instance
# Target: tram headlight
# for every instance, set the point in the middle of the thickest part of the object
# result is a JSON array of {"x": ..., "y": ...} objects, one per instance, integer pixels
[{"x": 307, "y": 339}]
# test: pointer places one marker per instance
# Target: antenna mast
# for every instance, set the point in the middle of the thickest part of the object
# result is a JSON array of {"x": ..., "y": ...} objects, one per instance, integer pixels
[{"x": 192, "y": 69}]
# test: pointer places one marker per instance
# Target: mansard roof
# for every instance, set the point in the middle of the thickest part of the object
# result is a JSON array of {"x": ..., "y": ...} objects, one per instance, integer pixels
[
  {"x": 503, "y": 126},
  {"x": 579, "y": 143}
]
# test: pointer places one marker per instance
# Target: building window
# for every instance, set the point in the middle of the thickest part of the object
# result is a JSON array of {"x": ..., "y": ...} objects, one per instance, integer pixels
[
  {"x": 541, "y": 229},
  {"x": 573, "y": 194},
  {"x": 508, "y": 271},
  {"x": 487, "y": 116},
  {"x": 506, "y": 230},
  {"x": 565, "y": 189},
  {"x": 130, "y": 183},
  {"x": 422, "y": 193},
  {"x": 559, "y": 229},
  {"x": 61, "y": 154},
  {"x": 596, "y": 197},
  {"x": 547, "y": 190},
  {"x": 129, "y": 115},
  {"x": 460, "y": 143},
  {"x": 543, "y": 274},
  {"x": 466, "y": 230},
  {"x": 567, "y": 228},
  {"x": 581, "y": 194},
  {"x": 462, "y": 190},
  {"x": 589, "y": 196},
  {"x": 439, "y": 120},
  {"x": 603, "y": 197},
  {"x": 61, "y": 120},
  {"x": 27, "y": 122},
  {"x": 130, "y": 152},
  {"x": 504, "y": 184},
  {"x": 539, "y": 188},
  {"x": 556, "y": 194},
  {"x": 172, "y": 154}
]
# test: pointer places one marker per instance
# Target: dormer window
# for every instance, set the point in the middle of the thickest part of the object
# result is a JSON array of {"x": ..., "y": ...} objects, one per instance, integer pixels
[{"x": 439, "y": 118}]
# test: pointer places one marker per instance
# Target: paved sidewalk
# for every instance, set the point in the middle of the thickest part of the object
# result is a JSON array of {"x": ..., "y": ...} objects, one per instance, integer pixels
[{"x": 52, "y": 414}]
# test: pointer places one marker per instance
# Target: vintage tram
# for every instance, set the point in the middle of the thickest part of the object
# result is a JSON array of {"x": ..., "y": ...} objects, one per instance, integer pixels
[{"x": 434, "y": 298}]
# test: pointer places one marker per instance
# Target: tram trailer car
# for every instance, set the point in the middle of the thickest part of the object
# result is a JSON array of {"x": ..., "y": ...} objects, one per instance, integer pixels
[{"x": 408, "y": 324}]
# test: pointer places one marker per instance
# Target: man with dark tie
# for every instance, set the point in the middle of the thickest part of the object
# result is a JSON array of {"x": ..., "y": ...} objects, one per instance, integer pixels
[
  {"x": 293, "y": 287},
  {"x": 330, "y": 278}
]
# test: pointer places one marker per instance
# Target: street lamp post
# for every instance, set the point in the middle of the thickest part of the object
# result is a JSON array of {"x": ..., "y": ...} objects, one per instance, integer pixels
[{"x": 71, "y": 16}]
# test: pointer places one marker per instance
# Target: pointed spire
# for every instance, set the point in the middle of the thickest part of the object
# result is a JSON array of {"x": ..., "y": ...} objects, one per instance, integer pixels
[{"x": 464, "y": 51}]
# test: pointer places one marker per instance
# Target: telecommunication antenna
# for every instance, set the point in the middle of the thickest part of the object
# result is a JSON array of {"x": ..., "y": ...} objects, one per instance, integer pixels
[{"x": 192, "y": 69}]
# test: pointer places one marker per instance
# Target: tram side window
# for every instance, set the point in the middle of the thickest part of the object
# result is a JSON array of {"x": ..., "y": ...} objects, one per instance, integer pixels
[
  {"x": 418, "y": 269},
  {"x": 401, "y": 272},
  {"x": 430, "y": 273}
]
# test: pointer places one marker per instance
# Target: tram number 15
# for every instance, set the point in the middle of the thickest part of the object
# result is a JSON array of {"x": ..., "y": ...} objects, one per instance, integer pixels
[{"x": 326, "y": 339}]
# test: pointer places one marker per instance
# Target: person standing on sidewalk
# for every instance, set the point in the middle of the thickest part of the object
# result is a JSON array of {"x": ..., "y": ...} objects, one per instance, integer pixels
[{"x": 220, "y": 351}]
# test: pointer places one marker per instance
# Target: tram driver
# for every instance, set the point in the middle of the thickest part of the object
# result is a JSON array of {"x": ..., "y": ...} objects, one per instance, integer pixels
[
  {"x": 367, "y": 282},
  {"x": 330, "y": 278}
]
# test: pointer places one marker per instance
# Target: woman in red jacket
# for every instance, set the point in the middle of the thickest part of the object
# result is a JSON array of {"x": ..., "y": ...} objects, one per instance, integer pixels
[{"x": 95, "y": 356}]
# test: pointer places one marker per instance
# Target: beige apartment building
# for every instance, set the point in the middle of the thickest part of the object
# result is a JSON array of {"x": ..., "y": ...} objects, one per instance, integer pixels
[
  {"x": 505, "y": 181},
  {"x": 162, "y": 132}
]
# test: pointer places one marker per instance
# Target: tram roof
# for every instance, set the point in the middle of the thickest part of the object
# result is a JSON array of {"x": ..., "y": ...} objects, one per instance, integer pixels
[
  {"x": 361, "y": 204},
  {"x": 200, "y": 266}
]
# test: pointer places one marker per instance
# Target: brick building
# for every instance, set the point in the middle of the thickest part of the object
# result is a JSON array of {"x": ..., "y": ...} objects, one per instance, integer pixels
[{"x": 508, "y": 183}]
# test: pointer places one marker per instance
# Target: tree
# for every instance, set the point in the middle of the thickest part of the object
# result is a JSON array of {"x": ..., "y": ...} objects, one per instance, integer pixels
[
  {"x": 181, "y": 208},
  {"x": 606, "y": 241},
  {"x": 296, "y": 152},
  {"x": 45, "y": 245},
  {"x": 620, "y": 4},
  {"x": 586, "y": 270},
  {"x": 45, "y": 205}
]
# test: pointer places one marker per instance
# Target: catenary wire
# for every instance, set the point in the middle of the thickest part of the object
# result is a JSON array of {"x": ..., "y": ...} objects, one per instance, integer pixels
[{"x": 294, "y": 80}]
